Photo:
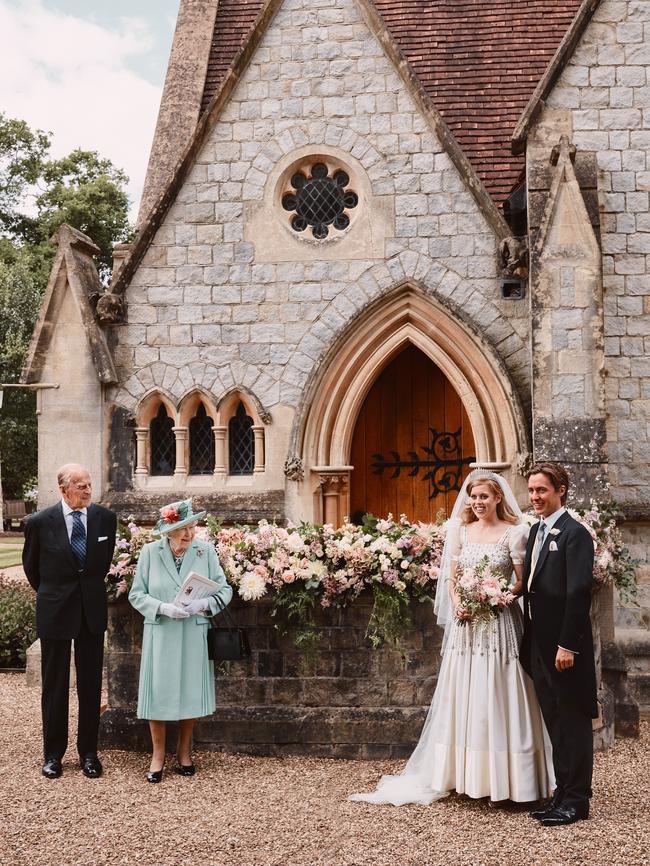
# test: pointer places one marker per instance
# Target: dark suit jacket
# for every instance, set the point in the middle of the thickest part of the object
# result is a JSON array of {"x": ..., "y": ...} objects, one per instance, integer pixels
[
  {"x": 64, "y": 593},
  {"x": 556, "y": 609}
]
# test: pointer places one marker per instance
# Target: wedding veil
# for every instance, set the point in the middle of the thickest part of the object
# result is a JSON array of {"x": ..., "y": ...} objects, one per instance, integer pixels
[{"x": 413, "y": 784}]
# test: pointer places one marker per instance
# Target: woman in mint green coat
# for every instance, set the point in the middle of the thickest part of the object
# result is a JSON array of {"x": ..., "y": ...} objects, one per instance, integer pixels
[{"x": 176, "y": 676}]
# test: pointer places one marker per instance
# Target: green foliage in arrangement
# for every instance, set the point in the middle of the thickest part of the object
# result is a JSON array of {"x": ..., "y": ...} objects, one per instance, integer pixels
[{"x": 17, "y": 623}]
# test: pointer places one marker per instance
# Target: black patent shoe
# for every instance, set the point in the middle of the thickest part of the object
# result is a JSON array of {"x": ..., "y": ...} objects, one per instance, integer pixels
[
  {"x": 52, "y": 768},
  {"x": 185, "y": 769},
  {"x": 91, "y": 766},
  {"x": 154, "y": 776},
  {"x": 563, "y": 815},
  {"x": 547, "y": 806}
]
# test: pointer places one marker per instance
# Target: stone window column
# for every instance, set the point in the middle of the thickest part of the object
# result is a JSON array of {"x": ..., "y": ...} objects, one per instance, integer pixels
[
  {"x": 220, "y": 436},
  {"x": 141, "y": 442},
  {"x": 333, "y": 494},
  {"x": 258, "y": 433},
  {"x": 181, "y": 436}
]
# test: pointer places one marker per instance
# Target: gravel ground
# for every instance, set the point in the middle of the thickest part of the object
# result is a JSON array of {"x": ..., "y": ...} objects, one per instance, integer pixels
[{"x": 242, "y": 811}]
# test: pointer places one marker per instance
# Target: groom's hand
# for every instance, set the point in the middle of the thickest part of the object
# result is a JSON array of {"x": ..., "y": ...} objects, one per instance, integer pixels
[{"x": 563, "y": 659}]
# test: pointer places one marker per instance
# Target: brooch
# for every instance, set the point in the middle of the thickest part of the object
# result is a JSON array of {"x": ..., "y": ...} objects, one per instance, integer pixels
[{"x": 199, "y": 551}]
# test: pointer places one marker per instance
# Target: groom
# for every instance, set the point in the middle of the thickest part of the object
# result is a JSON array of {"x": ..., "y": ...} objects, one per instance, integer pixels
[{"x": 557, "y": 647}]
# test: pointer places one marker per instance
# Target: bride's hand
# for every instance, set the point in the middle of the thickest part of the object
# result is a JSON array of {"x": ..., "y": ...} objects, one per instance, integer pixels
[{"x": 462, "y": 614}]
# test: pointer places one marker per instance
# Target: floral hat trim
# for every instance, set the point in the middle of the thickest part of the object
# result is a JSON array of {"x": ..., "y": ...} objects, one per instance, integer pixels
[{"x": 176, "y": 515}]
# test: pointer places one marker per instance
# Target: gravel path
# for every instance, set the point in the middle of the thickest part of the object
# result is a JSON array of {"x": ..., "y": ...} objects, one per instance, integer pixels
[{"x": 241, "y": 811}]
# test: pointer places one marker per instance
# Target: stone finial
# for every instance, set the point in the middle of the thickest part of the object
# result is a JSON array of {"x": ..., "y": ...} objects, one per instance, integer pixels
[
  {"x": 67, "y": 236},
  {"x": 564, "y": 147}
]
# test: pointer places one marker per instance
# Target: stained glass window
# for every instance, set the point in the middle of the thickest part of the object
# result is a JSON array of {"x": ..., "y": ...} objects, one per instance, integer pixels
[
  {"x": 201, "y": 443},
  {"x": 163, "y": 444},
  {"x": 241, "y": 445},
  {"x": 320, "y": 201}
]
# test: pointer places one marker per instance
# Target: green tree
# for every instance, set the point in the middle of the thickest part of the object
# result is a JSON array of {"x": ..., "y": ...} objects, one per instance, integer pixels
[{"x": 37, "y": 194}]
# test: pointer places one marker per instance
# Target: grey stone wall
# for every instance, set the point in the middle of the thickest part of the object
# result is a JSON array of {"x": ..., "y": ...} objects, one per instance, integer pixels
[
  {"x": 204, "y": 310},
  {"x": 605, "y": 93}
]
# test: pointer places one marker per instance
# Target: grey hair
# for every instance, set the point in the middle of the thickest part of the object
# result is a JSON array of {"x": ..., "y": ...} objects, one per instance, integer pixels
[{"x": 67, "y": 472}]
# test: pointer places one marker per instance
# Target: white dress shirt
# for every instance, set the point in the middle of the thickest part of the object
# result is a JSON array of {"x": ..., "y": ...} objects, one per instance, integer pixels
[{"x": 69, "y": 519}]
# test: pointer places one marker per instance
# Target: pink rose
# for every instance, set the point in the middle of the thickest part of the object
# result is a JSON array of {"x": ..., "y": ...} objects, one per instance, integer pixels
[{"x": 169, "y": 515}]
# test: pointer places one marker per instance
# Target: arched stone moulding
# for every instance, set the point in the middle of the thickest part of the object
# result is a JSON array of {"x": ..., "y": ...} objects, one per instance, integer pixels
[
  {"x": 145, "y": 412},
  {"x": 407, "y": 315}
]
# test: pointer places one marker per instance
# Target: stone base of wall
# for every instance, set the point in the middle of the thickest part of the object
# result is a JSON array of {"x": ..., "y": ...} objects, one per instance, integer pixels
[{"x": 350, "y": 701}]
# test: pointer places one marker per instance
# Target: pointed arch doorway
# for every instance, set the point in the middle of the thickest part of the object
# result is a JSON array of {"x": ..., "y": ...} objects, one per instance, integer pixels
[{"x": 412, "y": 442}]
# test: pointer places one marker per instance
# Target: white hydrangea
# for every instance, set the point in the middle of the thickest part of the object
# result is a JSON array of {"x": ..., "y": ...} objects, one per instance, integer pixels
[{"x": 252, "y": 586}]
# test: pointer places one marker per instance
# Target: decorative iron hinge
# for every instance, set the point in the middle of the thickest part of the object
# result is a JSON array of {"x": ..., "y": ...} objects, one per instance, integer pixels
[{"x": 444, "y": 463}]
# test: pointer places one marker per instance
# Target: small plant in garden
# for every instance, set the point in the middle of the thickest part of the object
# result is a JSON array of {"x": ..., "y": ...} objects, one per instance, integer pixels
[{"x": 17, "y": 622}]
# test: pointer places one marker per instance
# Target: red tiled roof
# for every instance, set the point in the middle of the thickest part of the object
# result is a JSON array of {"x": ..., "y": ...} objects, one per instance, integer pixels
[{"x": 479, "y": 62}]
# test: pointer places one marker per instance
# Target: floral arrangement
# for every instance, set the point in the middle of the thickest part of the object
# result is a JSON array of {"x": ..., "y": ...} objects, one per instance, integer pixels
[
  {"x": 310, "y": 564},
  {"x": 129, "y": 542},
  {"x": 482, "y": 593},
  {"x": 169, "y": 514}
]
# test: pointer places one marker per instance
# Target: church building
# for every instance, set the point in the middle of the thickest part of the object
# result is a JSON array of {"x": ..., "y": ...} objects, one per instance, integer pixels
[{"x": 379, "y": 241}]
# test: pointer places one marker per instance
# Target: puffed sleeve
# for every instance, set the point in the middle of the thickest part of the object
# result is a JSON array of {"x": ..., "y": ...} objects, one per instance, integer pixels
[
  {"x": 517, "y": 543},
  {"x": 453, "y": 539}
]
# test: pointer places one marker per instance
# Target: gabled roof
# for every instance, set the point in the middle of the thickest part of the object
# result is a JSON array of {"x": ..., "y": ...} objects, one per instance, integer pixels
[
  {"x": 221, "y": 96},
  {"x": 479, "y": 62},
  {"x": 74, "y": 267}
]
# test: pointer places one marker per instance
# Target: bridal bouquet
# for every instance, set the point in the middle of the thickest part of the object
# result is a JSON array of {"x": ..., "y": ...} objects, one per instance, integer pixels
[{"x": 482, "y": 593}]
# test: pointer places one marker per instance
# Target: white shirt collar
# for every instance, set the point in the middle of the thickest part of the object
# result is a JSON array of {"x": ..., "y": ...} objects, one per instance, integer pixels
[
  {"x": 552, "y": 519},
  {"x": 67, "y": 510}
]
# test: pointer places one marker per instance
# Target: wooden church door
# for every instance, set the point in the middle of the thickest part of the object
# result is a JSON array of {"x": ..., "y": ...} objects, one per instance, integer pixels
[{"x": 412, "y": 443}]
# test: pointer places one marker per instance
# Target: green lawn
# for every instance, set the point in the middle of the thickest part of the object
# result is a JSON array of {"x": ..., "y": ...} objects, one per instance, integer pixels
[{"x": 10, "y": 551}]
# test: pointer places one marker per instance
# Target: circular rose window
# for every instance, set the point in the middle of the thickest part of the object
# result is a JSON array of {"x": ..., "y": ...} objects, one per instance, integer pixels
[{"x": 320, "y": 201}]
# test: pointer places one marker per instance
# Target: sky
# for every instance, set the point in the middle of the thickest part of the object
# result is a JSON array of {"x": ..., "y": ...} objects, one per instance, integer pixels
[{"x": 90, "y": 72}]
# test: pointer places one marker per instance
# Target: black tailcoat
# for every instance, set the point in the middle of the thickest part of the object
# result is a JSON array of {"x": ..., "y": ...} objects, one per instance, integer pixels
[
  {"x": 64, "y": 592},
  {"x": 556, "y": 610}
]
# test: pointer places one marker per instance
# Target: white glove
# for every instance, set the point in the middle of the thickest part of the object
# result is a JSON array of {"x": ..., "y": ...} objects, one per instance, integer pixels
[
  {"x": 172, "y": 611},
  {"x": 196, "y": 606}
]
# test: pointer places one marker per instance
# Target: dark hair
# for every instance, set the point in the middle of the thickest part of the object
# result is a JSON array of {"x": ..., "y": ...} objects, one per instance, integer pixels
[{"x": 556, "y": 474}]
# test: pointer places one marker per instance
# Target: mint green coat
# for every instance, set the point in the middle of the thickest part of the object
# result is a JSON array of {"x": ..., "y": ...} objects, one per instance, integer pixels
[{"x": 176, "y": 676}]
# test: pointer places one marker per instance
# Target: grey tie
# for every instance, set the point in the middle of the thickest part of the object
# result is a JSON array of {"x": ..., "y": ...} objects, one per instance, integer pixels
[{"x": 537, "y": 549}]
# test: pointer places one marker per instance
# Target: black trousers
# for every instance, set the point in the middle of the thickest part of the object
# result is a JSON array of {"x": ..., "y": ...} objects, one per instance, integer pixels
[
  {"x": 571, "y": 736},
  {"x": 55, "y": 669}
]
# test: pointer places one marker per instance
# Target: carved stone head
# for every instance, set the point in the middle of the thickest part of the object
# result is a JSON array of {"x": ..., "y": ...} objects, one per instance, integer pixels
[{"x": 110, "y": 309}]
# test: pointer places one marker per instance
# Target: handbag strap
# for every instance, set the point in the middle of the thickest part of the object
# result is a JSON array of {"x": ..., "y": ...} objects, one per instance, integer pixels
[{"x": 223, "y": 609}]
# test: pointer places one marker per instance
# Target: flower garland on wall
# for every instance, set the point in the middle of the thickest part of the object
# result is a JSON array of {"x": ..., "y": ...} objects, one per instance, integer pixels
[{"x": 310, "y": 565}]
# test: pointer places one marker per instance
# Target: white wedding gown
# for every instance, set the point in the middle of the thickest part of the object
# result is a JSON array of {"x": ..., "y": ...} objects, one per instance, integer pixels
[{"x": 484, "y": 735}]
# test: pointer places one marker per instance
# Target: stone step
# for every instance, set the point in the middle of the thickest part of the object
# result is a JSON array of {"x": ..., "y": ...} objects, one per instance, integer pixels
[
  {"x": 333, "y": 732},
  {"x": 635, "y": 643}
]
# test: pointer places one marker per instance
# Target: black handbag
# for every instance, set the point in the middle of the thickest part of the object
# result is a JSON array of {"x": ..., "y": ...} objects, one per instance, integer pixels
[{"x": 227, "y": 643}]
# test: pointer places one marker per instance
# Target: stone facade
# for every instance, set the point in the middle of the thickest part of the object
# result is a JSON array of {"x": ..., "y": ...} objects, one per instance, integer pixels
[
  {"x": 219, "y": 301},
  {"x": 602, "y": 102}
]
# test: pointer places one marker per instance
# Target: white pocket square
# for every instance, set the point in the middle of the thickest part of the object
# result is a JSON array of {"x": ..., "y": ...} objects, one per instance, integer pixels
[
  {"x": 552, "y": 546},
  {"x": 103, "y": 538}
]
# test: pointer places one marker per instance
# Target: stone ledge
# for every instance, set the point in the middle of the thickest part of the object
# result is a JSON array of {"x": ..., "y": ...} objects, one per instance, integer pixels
[
  {"x": 231, "y": 507},
  {"x": 337, "y": 732}
]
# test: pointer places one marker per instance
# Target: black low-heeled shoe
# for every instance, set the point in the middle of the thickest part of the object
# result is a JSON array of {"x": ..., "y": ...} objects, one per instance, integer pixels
[
  {"x": 154, "y": 776},
  {"x": 185, "y": 769}
]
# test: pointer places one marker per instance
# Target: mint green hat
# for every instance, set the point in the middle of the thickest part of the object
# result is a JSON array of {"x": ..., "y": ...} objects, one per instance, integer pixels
[{"x": 176, "y": 515}]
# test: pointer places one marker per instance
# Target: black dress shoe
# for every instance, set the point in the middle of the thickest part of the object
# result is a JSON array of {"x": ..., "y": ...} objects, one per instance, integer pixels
[
  {"x": 185, "y": 769},
  {"x": 562, "y": 815},
  {"x": 52, "y": 768},
  {"x": 91, "y": 766},
  {"x": 547, "y": 806},
  {"x": 154, "y": 776}
]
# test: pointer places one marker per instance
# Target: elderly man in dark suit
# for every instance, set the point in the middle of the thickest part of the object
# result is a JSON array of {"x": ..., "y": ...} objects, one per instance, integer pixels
[
  {"x": 67, "y": 553},
  {"x": 557, "y": 647}
]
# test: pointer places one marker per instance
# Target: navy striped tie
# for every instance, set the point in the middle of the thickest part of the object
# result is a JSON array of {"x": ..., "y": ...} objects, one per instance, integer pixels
[{"x": 78, "y": 539}]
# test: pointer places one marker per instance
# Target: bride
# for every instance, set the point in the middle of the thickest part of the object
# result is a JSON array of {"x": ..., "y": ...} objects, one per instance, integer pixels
[{"x": 484, "y": 735}]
